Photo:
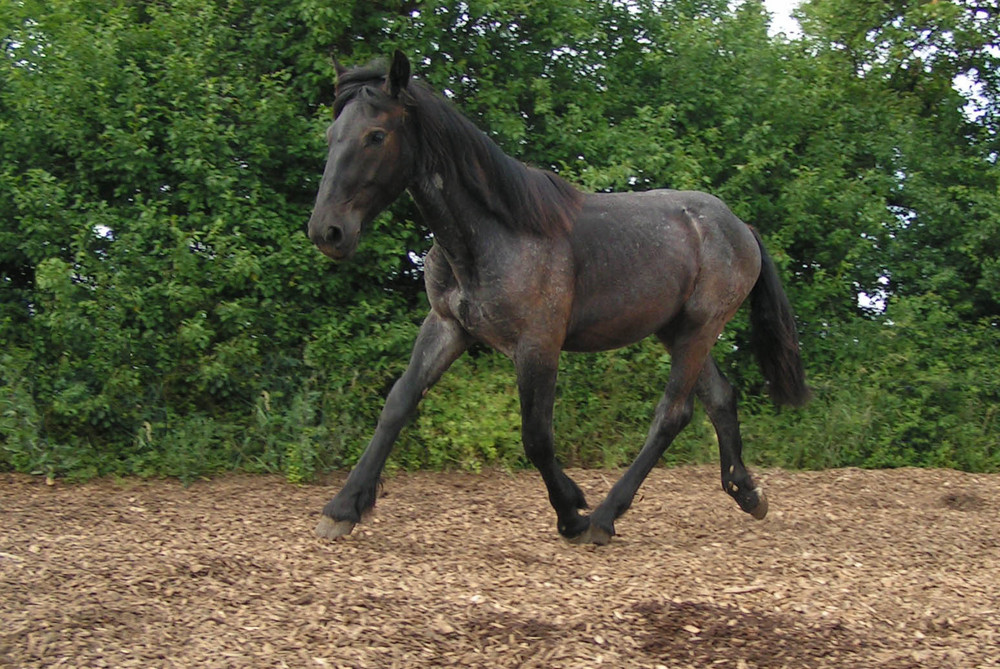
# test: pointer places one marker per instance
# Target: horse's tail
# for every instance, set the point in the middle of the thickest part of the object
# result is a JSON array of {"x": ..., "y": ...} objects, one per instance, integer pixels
[{"x": 774, "y": 337}]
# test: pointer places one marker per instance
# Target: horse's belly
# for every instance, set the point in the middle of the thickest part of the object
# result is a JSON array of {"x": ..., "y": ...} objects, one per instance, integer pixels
[
  {"x": 618, "y": 318},
  {"x": 608, "y": 334}
]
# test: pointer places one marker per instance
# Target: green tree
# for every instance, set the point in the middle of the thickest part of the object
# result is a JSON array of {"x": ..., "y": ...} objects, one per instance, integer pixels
[{"x": 162, "y": 312}]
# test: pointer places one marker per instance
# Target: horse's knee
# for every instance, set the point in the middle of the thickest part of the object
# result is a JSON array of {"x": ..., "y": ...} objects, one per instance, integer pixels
[
  {"x": 539, "y": 455},
  {"x": 401, "y": 403},
  {"x": 536, "y": 436}
]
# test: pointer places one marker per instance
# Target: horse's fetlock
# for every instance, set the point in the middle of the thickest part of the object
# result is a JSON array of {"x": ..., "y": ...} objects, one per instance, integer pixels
[{"x": 572, "y": 527}]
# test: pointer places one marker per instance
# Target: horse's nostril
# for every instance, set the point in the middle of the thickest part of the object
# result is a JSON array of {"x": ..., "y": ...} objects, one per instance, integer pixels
[{"x": 334, "y": 235}]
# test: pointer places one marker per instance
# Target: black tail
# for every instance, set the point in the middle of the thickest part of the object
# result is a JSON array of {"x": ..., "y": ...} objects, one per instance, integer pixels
[{"x": 774, "y": 337}]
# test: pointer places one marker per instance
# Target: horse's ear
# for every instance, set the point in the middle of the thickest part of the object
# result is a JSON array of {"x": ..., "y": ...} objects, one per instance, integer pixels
[
  {"x": 399, "y": 73},
  {"x": 340, "y": 69}
]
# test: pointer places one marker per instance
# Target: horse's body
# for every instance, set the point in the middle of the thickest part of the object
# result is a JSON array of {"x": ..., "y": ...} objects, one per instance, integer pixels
[
  {"x": 528, "y": 265},
  {"x": 607, "y": 284}
]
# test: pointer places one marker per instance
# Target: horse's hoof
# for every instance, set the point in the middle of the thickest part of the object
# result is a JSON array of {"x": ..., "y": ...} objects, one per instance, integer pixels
[
  {"x": 591, "y": 535},
  {"x": 760, "y": 510},
  {"x": 328, "y": 528}
]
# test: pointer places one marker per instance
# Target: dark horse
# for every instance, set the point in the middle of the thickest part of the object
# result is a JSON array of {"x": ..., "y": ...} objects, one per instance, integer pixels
[{"x": 525, "y": 263}]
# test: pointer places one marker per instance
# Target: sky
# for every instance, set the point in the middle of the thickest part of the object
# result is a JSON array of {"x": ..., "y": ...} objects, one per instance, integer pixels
[{"x": 782, "y": 21}]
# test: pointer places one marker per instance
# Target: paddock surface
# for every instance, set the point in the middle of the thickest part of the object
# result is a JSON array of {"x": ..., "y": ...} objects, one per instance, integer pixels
[{"x": 851, "y": 569}]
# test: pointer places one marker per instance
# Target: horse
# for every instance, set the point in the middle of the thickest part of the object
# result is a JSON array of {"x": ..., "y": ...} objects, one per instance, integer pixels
[{"x": 529, "y": 265}]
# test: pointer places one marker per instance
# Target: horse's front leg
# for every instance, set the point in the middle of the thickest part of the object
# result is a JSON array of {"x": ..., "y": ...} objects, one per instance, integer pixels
[
  {"x": 440, "y": 342},
  {"x": 536, "y": 381}
]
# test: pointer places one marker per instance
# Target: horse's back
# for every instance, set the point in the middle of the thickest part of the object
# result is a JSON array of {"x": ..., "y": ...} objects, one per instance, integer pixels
[
  {"x": 640, "y": 259},
  {"x": 662, "y": 211}
]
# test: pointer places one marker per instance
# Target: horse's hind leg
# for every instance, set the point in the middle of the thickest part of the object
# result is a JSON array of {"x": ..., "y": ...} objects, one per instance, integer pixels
[
  {"x": 719, "y": 399},
  {"x": 440, "y": 342},
  {"x": 673, "y": 413}
]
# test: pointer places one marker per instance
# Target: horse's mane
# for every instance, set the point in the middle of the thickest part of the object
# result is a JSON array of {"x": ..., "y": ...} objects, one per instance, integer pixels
[{"x": 523, "y": 198}]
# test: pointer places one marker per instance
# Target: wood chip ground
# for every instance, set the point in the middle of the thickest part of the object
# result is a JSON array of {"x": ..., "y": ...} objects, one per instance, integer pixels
[{"x": 851, "y": 569}]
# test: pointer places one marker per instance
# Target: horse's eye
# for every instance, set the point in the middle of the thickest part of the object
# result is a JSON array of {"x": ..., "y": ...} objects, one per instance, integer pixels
[{"x": 376, "y": 137}]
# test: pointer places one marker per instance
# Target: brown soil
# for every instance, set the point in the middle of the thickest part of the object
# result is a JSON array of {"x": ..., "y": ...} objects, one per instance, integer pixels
[{"x": 850, "y": 569}]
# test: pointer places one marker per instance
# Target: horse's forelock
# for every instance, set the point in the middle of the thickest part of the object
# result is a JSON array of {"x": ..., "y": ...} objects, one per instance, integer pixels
[{"x": 367, "y": 81}]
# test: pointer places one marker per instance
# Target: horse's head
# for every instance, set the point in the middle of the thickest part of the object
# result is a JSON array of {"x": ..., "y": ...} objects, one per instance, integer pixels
[{"x": 371, "y": 158}]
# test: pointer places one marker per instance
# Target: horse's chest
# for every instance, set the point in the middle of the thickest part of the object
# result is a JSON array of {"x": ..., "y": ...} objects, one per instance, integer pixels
[
  {"x": 488, "y": 310},
  {"x": 485, "y": 319}
]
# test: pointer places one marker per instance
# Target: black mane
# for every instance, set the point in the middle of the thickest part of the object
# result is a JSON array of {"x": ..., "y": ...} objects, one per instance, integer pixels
[{"x": 521, "y": 197}]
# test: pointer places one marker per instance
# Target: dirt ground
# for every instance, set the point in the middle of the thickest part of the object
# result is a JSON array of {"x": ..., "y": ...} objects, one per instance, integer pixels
[{"x": 850, "y": 569}]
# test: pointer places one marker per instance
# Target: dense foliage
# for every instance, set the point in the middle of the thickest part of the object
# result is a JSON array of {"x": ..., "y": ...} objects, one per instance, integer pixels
[{"x": 163, "y": 313}]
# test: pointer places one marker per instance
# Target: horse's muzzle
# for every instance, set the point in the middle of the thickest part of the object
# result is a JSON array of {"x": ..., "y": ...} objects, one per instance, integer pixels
[{"x": 333, "y": 241}]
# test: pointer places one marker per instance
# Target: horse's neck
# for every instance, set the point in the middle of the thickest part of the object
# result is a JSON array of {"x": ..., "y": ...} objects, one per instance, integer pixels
[{"x": 459, "y": 224}]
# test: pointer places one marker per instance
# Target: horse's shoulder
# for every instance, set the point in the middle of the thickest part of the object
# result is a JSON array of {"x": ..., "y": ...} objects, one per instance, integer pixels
[{"x": 439, "y": 279}]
